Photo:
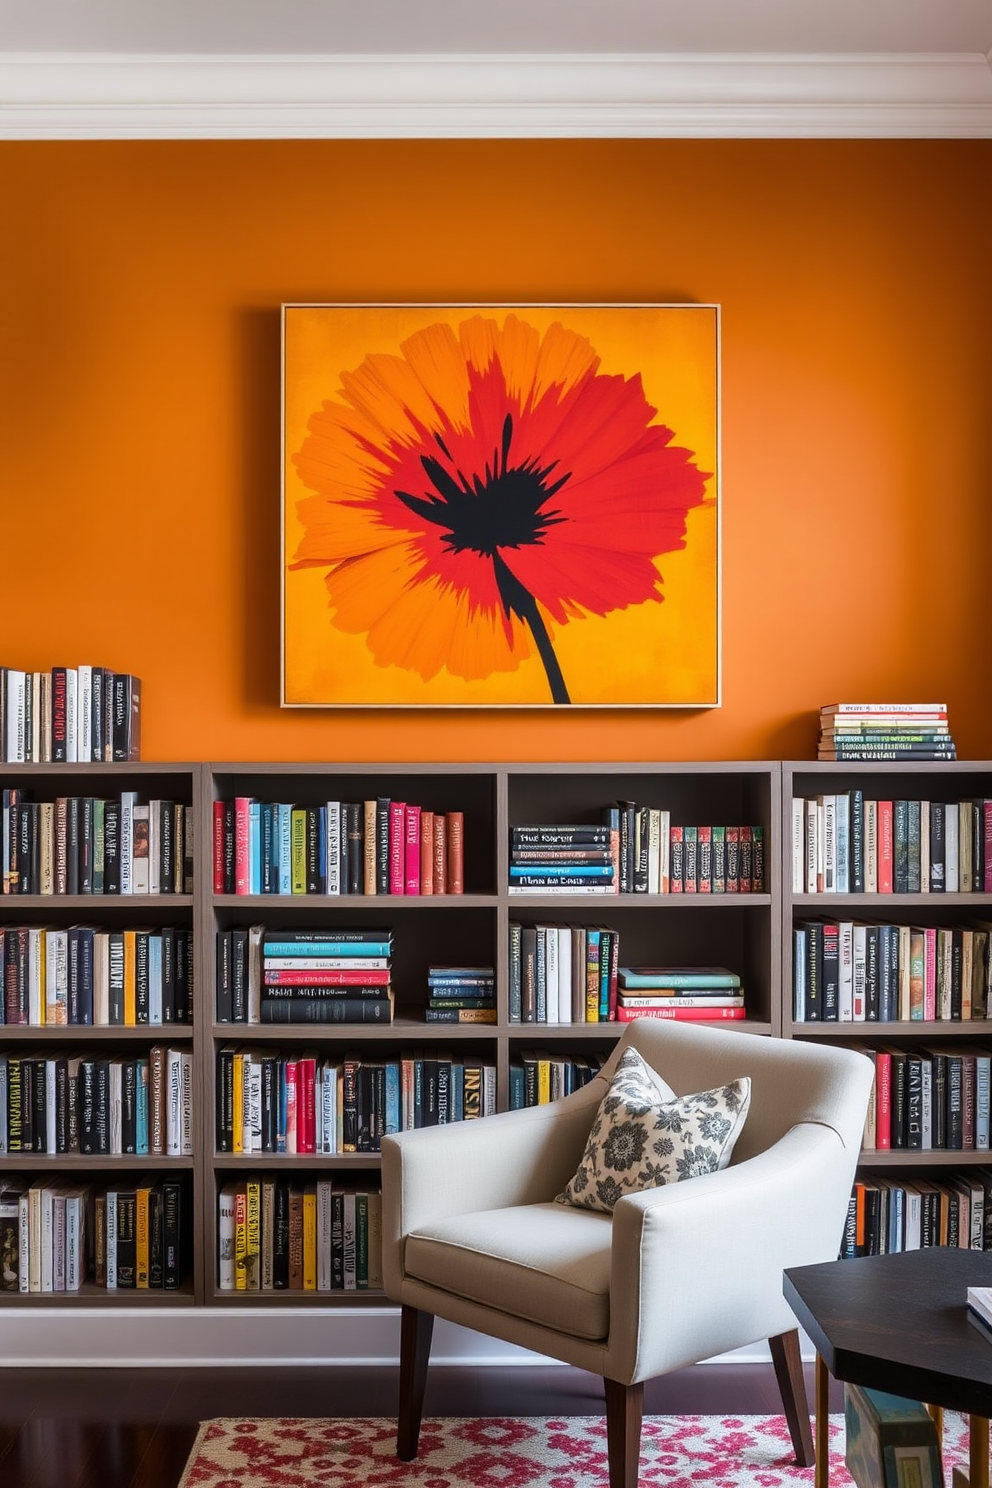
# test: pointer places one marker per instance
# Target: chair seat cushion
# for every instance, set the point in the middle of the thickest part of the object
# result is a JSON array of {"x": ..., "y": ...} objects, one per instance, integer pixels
[{"x": 542, "y": 1262}]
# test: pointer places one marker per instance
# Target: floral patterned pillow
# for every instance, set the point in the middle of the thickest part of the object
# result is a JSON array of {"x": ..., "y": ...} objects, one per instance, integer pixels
[{"x": 645, "y": 1136}]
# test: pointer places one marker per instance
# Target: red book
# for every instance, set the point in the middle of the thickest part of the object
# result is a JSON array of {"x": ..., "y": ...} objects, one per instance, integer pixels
[
  {"x": 218, "y": 847},
  {"x": 306, "y": 1110},
  {"x": 397, "y": 848},
  {"x": 427, "y": 852},
  {"x": 681, "y": 1015},
  {"x": 242, "y": 832},
  {"x": 456, "y": 852},
  {"x": 883, "y": 1098},
  {"x": 411, "y": 857},
  {"x": 884, "y": 835},
  {"x": 324, "y": 977}
]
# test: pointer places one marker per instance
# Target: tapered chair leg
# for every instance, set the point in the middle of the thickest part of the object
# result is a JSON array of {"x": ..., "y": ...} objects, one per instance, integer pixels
[
  {"x": 416, "y": 1328},
  {"x": 792, "y": 1387},
  {"x": 624, "y": 1413}
]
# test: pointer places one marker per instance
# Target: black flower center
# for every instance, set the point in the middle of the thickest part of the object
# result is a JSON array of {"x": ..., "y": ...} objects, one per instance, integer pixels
[{"x": 503, "y": 507}]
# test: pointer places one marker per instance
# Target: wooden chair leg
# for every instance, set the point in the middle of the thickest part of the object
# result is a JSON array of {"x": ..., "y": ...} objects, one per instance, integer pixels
[
  {"x": 792, "y": 1388},
  {"x": 416, "y": 1328},
  {"x": 624, "y": 1412}
]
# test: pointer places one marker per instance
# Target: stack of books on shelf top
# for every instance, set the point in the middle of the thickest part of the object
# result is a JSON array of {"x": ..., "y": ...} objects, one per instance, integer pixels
[
  {"x": 686, "y": 993},
  {"x": 332, "y": 975},
  {"x": 461, "y": 994},
  {"x": 69, "y": 715},
  {"x": 561, "y": 859},
  {"x": 377, "y": 846},
  {"x": 885, "y": 731}
]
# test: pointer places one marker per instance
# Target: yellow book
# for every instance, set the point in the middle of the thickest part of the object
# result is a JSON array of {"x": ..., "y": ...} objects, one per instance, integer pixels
[
  {"x": 298, "y": 850},
  {"x": 130, "y": 980},
  {"x": 142, "y": 1235},
  {"x": 310, "y": 1238},
  {"x": 253, "y": 1233},
  {"x": 241, "y": 1238},
  {"x": 237, "y": 1104},
  {"x": 543, "y": 1080}
]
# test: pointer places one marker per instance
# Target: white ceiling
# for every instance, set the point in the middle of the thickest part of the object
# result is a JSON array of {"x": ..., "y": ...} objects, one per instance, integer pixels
[
  {"x": 500, "y": 26},
  {"x": 429, "y": 68}
]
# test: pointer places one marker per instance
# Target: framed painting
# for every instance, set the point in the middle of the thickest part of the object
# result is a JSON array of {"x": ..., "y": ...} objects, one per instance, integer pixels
[{"x": 501, "y": 506}]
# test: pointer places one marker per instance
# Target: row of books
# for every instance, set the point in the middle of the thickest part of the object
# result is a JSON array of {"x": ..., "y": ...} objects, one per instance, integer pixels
[
  {"x": 461, "y": 994},
  {"x": 885, "y": 731},
  {"x": 846, "y": 971},
  {"x": 275, "y": 1235},
  {"x": 87, "y": 976},
  {"x": 55, "y": 1237},
  {"x": 538, "y": 1076},
  {"x": 297, "y": 1101},
  {"x": 563, "y": 973},
  {"x": 886, "y": 1215},
  {"x": 70, "y": 715},
  {"x": 636, "y": 850},
  {"x": 843, "y": 843},
  {"x": 338, "y": 974},
  {"x": 97, "y": 1106},
  {"x": 96, "y": 845},
  {"x": 929, "y": 1098},
  {"x": 373, "y": 847}
]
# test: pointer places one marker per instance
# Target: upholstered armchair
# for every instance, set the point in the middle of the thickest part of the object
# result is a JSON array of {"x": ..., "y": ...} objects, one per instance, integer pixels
[{"x": 674, "y": 1274}]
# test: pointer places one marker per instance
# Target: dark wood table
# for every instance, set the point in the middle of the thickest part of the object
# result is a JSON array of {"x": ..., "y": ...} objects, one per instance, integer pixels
[{"x": 899, "y": 1323}]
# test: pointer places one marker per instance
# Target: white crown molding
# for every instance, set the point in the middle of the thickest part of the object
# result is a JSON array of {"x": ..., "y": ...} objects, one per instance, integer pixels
[{"x": 111, "y": 96}]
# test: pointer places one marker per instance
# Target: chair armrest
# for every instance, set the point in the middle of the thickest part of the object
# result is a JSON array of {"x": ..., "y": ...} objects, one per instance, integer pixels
[{"x": 697, "y": 1266}]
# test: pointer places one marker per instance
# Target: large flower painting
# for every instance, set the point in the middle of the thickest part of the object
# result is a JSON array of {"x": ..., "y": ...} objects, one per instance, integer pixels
[{"x": 501, "y": 505}]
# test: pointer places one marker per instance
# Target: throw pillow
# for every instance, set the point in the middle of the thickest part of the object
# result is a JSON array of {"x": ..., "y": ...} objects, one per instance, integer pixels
[{"x": 645, "y": 1135}]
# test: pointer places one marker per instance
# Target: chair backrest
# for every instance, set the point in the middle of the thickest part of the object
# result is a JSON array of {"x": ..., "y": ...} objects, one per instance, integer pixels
[{"x": 791, "y": 1081}]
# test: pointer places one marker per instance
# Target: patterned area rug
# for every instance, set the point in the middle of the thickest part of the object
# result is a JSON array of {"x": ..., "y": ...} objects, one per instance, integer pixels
[{"x": 524, "y": 1452}]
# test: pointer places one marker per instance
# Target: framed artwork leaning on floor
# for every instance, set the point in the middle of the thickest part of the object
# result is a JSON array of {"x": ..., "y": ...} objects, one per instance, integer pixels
[{"x": 501, "y": 506}]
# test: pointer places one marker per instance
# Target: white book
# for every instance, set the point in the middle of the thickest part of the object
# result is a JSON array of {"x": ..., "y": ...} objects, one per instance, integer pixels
[
  {"x": 252, "y": 1136},
  {"x": 812, "y": 844},
  {"x": 914, "y": 1204},
  {"x": 664, "y": 873},
  {"x": 324, "y": 1191},
  {"x": 926, "y": 1105},
  {"x": 173, "y": 1102},
  {"x": 186, "y": 1110},
  {"x": 654, "y": 852},
  {"x": 798, "y": 845},
  {"x": 332, "y": 867},
  {"x": 982, "y": 1089},
  {"x": 111, "y": 1239},
  {"x": 58, "y": 1240},
  {"x": 84, "y": 713},
  {"x": 328, "y": 1110},
  {"x": 924, "y": 847},
  {"x": 225, "y": 1238},
  {"x": 155, "y": 846},
  {"x": 51, "y": 1105},
  {"x": 37, "y": 958},
  {"x": 828, "y": 806},
  {"x": 101, "y": 979},
  {"x": 842, "y": 813},
  {"x": 564, "y": 974},
  {"x": 71, "y": 714},
  {"x": 56, "y": 977},
  {"x": 126, "y": 845},
  {"x": 47, "y": 1201},
  {"x": 549, "y": 935},
  {"x": 951, "y": 865},
  {"x": 16, "y": 716},
  {"x": 845, "y": 987},
  {"x": 255, "y": 973},
  {"x": 859, "y": 972},
  {"x": 37, "y": 684},
  {"x": 24, "y": 1243},
  {"x": 140, "y": 860},
  {"x": 488, "y": 1090},
  {"x": 116, "y": 1108}
]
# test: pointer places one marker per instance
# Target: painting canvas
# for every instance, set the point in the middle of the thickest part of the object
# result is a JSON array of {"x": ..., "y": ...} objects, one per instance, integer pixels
[{"x": 501, "y": 506}]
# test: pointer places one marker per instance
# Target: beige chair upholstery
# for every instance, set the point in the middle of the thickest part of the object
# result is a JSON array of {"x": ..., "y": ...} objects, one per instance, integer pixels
[{"x": 677, "y": 1274}]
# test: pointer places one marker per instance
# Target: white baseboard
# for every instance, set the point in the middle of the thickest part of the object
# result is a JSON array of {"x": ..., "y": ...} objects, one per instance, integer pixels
[{"x": 92, "y": 1338}]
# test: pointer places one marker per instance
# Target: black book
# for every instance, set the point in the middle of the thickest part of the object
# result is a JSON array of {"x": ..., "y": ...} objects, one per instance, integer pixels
[
  {"x": 73, "y": 844},
  {"x": 365, "y": 1140},
  {"x": 856, "y": 842},
  {"x": 938, "y": 1098},
  {"x": 690, "y": 860},
  {"x": 353, "y": 811},
  {"x": 382, "y": 845},
  {"x": 957, "y": 954},
  {"x": 898, "y": 1099},
  {"x": 171, "y": 1234},
  {"x": 15, "y": 1103},
  {"x": 129, "y": 1105},
  {"x": 642, "y": 832},
  {"x": 41, "y": 1105},
  {"x": 156, "y": 1239},
  {"x": 28, "y": 1075},
  {"x": 831, "y": 972},
  {"x": 327, "y": 1010},
  {"x": 814, "y": 971},
  {"x": 443, "y": 1088},
  {"x": 227, "y": 846},
  {"x": 101, "y": 1106},
  {"x": 938, "y": 880},
  {"x": 349, "y": 1105},
  {"x": 561, "y": 835},
  {"x": 127, "y": 1239},
  {"x": 873, "y": 974},
  {"x": 337, "y": 1240},
  {"x": 239, "y": 975},
  {"x": 97, "y": 685},
  {"x": 515, "y": 971},
  {"x": 430, "y": 1089},
  {"x": 270, "y": 1103},
  {"x": 166, "y": 847},
  {"x": 111, "y": 847},
  {"x": 316, "y": 878},
  {"x": 873, "y": 1220},
  {"x": 86, "y": 844},
  {"x": 184, "y": 974},
  {"x": 225, "y": 977},
  {"x": 849, "y": 1242},
  {"x": 914, "y": 832},
  {"x": 528, "y": 974},
  {"x": 955, "y": 1104},
  {"x": 62, "y": 1099},
  {"x": 126, "y": 737},
  {"x": 142, "y": 972},
  {"x": 280, "y": 1236},
  {"x": 900, "y": 847},
  {"x": 26, "y": 831},
  {"x": 627, "y": 810},
  {"x": 914, "y": 1102},
  {"x": 168, "y": 974},
  {"x": 224, "y": 1101},
  {"x": 888, "y": 972}
]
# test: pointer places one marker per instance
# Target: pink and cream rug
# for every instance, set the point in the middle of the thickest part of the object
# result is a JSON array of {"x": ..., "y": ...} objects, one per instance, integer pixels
[{"x": 523, "y": 1452}]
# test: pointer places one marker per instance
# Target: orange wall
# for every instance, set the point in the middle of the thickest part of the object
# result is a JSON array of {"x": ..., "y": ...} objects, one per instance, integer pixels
[{"x": 139, "y": 410}]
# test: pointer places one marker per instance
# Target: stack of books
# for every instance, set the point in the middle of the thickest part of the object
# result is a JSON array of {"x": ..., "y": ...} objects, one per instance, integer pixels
[
  {"x": 561, "y": 859},
  {"x": 685, "y": 993},
  {"x": 333, "y": 975},
  {"x": 885, "y": 731},
  {"x": 461, "y": 994}
]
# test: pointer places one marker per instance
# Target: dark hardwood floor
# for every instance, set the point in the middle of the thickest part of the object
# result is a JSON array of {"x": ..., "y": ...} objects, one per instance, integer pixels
[{"x": 113, "y": 1428}]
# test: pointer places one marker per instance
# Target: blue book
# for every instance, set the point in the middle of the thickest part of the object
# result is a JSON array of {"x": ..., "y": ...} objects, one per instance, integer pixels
[
  {"x": 155, "y": 979},
  {"x": 141, "y": 1108},
  {"x": 457, "y": 1091},
  {"x": 597, "y": 871},
  {"x": 392, "y": 1111},
  {"x": 255, "y": 848},
  {"x": 284, "y": 848},
  {"x": 327, "y": 948}
]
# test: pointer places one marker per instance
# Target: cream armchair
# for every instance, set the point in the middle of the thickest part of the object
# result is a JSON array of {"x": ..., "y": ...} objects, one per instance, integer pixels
[{"x": 675, "y": 1275}]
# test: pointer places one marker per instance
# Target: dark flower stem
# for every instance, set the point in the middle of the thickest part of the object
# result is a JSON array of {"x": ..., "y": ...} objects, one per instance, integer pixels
[{"x": 519, "y": 601}]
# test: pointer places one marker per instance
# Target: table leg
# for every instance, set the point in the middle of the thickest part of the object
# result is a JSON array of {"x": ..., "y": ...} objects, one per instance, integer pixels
[
  {"x": 936, "y": 1413},
  {"x": 821, "y": 1471}
]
